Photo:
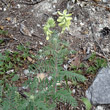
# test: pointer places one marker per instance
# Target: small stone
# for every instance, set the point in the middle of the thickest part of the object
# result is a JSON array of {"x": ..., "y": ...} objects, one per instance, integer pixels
[
  {"x": 14, "y": 21},
  {"x": 32, "y": 10},
  {"x": 40, "y": 50},
  {"x": 18, "y": 6},
  {"x": 82, "y": 24},
  {"x": 25, "y": 87},
  {"x": 26, "y": 72},
  {"x": 54, "y": 1},
  {"x": 50, "y": 78},
  {"x": 38, "y": 25},
  {"x": 106, "y": 50},
  {"x": 40, "y": 57},
  {"x": 105, "y": 1},
  {"x": 58, "y": 84},
  {"x": 73, "y": 91},
  {"x": 10, "y": 71},
  {"x": 88, "y": 50},
  {"x": 4, "y": 9},
  {"x": 32, "y": 31},
  {"x": 75, "y": 18},
  {"x": 73, "y": 1},
  {"x": 54, "y": 13},
  {"x": 65, "y": 66},
  {"x": 99, "y": 108},
  {"x": 37, "y": 91},
  {"x": 1, "y": 9},
  {"x": 41, "y": 43},
  {"x": 54, "y": 6}
]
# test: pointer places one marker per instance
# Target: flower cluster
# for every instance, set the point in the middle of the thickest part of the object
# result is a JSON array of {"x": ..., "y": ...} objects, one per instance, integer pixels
[{"x": 64, "y": 21}]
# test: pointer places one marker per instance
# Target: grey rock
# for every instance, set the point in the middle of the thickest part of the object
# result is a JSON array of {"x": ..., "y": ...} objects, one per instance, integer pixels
[
  {"x": 46, "y": 8},
  {"x": 99, "y": 91}
]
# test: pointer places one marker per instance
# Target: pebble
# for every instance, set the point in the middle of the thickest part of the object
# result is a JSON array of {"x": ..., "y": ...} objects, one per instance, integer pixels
[
  {"x": 54, "y": 13},
  {"x": 38, "y": 25},
  {"x": 26, "y": 72},
  {"x": 73, "y": 91},
  {"x": 75, "y": 18},
  {"x": 50, "y": 78},
  {"x": 4, "y": 9},
  {"x": 1, "y": 9},
  {"x": 81, "y": 23},
  {"x": 54, "y": 1},
  {"x": 105, "y": 1},
  {"x": 40, "y": 50},
  {"x": 18, "y": 6},
  {"x": 25, "y": 87},
  {"x": 99, "y": 108},
  {"x": 65, "y": 66},
  {"x": 88, "y": 50},
  {"x": 10, "y": 71},
  {"x": 41, "y": 43},
  {"x": 54, "y": 6},
  {"x": 73, "y": 1},
  {"x": 14, "y": 21}
]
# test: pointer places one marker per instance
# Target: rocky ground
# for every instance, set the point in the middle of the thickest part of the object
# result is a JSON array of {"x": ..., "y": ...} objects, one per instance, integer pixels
[{"x": 89, "y": 30}]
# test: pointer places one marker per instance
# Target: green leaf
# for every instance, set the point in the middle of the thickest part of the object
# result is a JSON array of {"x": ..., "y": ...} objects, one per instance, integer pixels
[
  {"x": 69, "y": 14},
  {"x": 65, "y": 96},
  {"x": 68, "y": 18},
  {"x": 62, "y": 24},
  {"x": 20, "y": 47},
  {"x": 2, "y": 72},
  {"x": 1, "y": 56},
  {"x": 51, "y": 22},
  {"x": 1, "y": 81},
  {"x": 65, "y": 12},
  {"x": 87, "y": 103},
  {"x": 15, "y": 78},
  {"x": 59, "y": 13},
  {"x": 60, "y": 19},
  {"x": 1, "y": 63}
]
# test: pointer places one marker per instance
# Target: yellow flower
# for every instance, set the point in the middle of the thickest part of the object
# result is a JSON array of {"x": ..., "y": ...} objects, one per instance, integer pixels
[{"x": 47, "y": 38}]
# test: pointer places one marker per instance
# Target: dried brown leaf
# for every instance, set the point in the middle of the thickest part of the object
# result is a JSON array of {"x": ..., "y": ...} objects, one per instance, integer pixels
[
  {"x": 76, "y": 61},
  {"x": 30, "y": 59}
]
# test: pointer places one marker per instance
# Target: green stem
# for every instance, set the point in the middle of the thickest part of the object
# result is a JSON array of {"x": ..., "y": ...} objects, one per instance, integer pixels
[
  {"x": 56, "y": 70},
  {"x": 56, "y": 66},
  {"x": 66, "y": 80}
]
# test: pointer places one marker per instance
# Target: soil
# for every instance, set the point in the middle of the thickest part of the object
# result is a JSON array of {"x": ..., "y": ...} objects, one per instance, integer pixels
[{"x": 88, "y": 27}]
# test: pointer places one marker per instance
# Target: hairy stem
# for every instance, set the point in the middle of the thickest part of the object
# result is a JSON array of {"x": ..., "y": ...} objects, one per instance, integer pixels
[
  {"x": 56, "y": 70},
  {"x": 56, "y": 64}
]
